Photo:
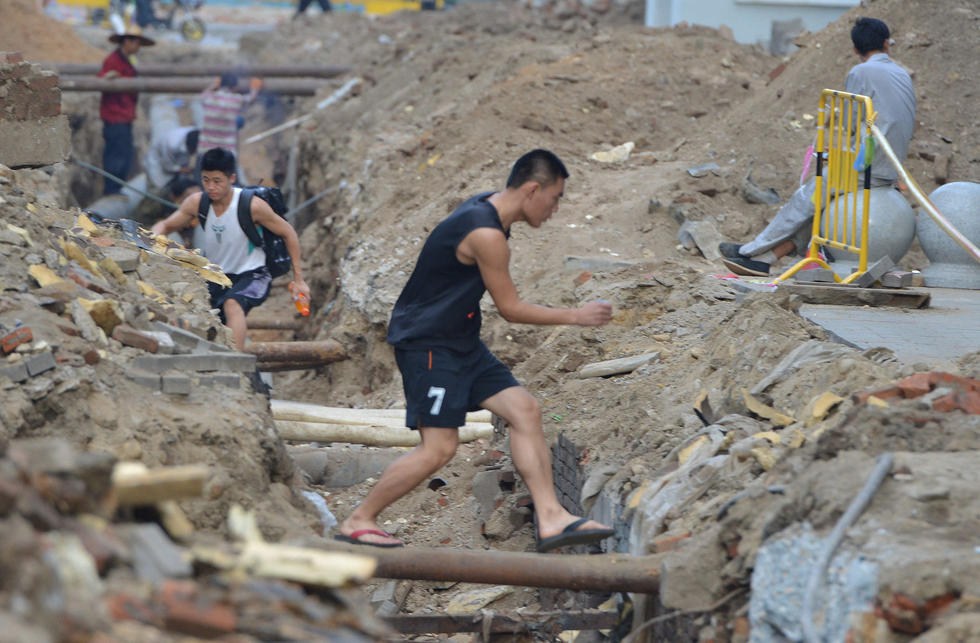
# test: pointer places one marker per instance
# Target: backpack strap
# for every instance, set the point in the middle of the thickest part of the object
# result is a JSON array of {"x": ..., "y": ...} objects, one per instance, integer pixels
[
  {"x": 245, "y": 217},
  {"x": 202, "y": 209}
]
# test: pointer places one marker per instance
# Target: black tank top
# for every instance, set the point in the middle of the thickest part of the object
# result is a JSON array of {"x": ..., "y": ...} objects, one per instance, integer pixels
[{"x": 440, "y": 305}]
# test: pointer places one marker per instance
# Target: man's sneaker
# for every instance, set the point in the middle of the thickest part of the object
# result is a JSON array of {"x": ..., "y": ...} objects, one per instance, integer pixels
[
  {"x": 747, "y": 267},
  {"x": 730, "y": 250}
]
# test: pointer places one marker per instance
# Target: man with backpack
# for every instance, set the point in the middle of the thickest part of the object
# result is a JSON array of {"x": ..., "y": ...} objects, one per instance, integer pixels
[{"x": 231, "y": 218}]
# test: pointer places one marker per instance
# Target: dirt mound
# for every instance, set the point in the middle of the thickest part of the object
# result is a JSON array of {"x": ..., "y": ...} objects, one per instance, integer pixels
[{"x": 40, "y": 38}]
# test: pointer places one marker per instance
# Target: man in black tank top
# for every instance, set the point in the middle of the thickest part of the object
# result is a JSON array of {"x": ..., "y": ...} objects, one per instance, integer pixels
[{"x": 446, "y": 369}]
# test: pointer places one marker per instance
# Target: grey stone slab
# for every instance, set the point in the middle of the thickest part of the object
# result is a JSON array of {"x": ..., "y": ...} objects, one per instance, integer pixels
[
  {"x": 211, "y": 380},
  {"x": 815, "y": 275},
  {"x": 235, "y": 362},
  {"x": 896, "y": 279},
  {"x": 703, "y": 235},
  {"x": 128, "y": 259},
  {"x": 597, "y": 264},
  {"x": 176, "y": 384},
  {"x": 144, "y": 378},
  {"x": 37, "y": 364},
  {"x": 15, "y": 372}
]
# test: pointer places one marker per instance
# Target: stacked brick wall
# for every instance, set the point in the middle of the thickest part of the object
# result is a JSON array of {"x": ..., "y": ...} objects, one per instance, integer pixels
[{"x": 33, "y": 132}]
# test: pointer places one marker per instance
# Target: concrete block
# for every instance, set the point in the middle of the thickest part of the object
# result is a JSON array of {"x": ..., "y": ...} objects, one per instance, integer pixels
[
  {"x": 176, "y": 384},
  {"x": 127, "y": 259},
  {"x": 144, "y": 378},
  {"x": 874, "y": 272},
  {"x": 815, "y": 275},
  {"x": 15, "y": 372},
  {"x": 37, "y": 364},
  {"x": 211, "y": 380},
  {"x": 188, "y": 342},
  {"x": 34, "y": 143},
  {"x": 896, "y": 279}
]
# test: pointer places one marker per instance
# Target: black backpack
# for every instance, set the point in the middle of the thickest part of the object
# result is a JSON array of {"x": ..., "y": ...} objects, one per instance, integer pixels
[{"x": 277, "y": 258}]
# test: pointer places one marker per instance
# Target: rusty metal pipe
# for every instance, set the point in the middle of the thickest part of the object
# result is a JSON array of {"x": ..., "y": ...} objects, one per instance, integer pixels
[
  {"x": 600, "y": 573},
  {"x": 262, "y": 71}
]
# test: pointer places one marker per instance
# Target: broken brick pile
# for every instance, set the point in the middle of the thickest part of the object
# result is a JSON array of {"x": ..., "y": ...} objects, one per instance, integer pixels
[
  {"x": 941, "y": 391},
  {"x": 72, "y": 567}
]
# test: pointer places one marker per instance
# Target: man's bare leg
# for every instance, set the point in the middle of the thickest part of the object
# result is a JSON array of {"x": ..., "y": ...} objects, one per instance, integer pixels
[
  {"x": 235, "y": 320},
  {"x": 532, "y": 458},
  {"x": 404, "y": 474}
]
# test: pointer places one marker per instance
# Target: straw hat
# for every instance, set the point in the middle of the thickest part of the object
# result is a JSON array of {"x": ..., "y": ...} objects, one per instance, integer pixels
[{"x": 132, "y": 31}]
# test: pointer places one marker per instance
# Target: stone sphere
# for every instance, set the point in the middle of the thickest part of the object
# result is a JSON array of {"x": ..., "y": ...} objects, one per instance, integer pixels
[
  {"x": 891, "y": 225},
  {"x": 950, "y": 265}
]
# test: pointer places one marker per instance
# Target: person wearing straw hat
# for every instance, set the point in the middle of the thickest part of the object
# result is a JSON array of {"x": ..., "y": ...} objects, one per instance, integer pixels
[{"x": 118, "y": 109}]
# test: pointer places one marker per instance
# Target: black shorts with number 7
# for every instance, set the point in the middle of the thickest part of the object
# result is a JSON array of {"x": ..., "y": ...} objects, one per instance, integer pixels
[{"x": 442, "y": 385}]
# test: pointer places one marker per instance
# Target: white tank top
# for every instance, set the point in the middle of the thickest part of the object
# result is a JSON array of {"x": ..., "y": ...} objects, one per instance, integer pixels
[{"x": 226, "y": 244}]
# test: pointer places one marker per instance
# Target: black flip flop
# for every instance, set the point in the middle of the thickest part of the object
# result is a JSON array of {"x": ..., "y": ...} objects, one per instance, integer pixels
[
  {"x": 571, "y": 535},
  {"x": 355, "y": 538}
]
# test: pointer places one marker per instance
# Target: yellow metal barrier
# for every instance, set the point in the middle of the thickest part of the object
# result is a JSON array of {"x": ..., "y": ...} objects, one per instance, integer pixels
[{"x": 844, "y": 141}]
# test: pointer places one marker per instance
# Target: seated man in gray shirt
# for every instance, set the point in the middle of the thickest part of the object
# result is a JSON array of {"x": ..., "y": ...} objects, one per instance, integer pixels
[{"x": 890, "y": 88}]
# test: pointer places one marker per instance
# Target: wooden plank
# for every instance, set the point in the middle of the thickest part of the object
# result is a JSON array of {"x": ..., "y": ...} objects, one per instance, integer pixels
[
  {"x": 307, "y": 412},
  {"x": 845, "y": 295},
  {"x": 134, "y": 484},
  {"x": 522, "y": 623},
  {"x": 377, "y": 435}
]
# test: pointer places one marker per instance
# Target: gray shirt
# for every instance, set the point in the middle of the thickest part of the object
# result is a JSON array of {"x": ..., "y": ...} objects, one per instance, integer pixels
[{"x": 893, "y": 97}]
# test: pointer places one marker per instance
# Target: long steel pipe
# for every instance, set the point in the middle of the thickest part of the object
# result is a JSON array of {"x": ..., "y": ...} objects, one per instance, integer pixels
[
  {"x": 185, "y": 85},
  {"x": 248, "y": 71}
]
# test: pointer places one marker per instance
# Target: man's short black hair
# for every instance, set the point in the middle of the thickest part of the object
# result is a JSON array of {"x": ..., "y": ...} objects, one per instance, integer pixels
[
  {"x": 869, "y": 34},
  {"x": 218, "y": 159},
  {"x": 229, "y": 79},
  {"x": 191, "y": 140},
  {"x": 538, "y": 165}
]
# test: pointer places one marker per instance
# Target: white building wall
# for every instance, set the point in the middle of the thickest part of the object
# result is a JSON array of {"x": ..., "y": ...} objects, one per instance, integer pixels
[{"x": 750, "y": 20}]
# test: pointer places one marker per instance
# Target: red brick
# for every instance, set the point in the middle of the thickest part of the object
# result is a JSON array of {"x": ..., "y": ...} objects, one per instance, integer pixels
[
  {"x": 916, "y": 385},
  {"x": 13, "y": 57},
  {"x": 200, "y": 618},
  {"x": 129, "y": 336},
  {"x": 669, "y": 541},
  {"x": 123, "y": 607},
  {"x": 44, "y": 80},
  {"x": 775, "y": 73},
  {"x": 583, "y": 277},
  {"x": 16, "y": 337},
  {"x": 881, "y": 394}
]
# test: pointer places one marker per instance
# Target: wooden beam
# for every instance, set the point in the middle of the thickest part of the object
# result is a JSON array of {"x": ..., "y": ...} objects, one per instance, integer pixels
[
  {"x": 521, "y": 623},
  {"x": 134, "y": 484}
]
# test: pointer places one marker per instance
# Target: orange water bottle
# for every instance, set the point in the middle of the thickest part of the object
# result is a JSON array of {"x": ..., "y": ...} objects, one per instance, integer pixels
[{"x": 301, "y": 300}]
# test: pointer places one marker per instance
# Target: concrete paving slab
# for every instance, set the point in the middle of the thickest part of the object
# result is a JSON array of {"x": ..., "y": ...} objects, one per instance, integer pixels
[{"x": 937, "y": 336}]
